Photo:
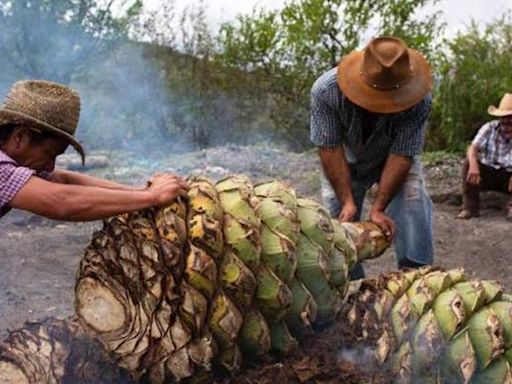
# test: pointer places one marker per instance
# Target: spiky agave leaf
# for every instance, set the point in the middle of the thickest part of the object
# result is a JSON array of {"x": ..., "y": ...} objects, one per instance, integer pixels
[
  {"x": 282, "y": 341},
  {"x": 254, "y": 337},
  {"x": 278, "y": 253},
  {"x": 237, "y": 198},
  {"x": 205, "y": 217},
  {"x": 273, "y": 296},
  {"x": 316, "y": 223},
  {"x": 278, "y": 208},
  {"x": 237, "y": 280},
  {"x": 302, "y": 313}
]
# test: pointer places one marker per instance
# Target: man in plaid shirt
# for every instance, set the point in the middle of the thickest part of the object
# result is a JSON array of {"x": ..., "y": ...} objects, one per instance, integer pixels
[
  {"x": 488, "y": 165},
  {"x": 368, "y": 120},
  {"x": 37, "y": 123}
]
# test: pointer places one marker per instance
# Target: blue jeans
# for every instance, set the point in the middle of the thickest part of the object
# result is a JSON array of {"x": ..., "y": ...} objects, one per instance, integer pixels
[{"x": 411, "y": 209}]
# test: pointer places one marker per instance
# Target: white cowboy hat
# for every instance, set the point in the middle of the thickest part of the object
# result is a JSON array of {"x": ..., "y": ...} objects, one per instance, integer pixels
[{"x": 505, "y": 107}]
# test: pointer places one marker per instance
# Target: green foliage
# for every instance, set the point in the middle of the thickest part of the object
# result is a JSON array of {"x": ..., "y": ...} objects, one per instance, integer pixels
[
  {"x": 474, "y": 74},
  {"x": 56, "y": 39}
]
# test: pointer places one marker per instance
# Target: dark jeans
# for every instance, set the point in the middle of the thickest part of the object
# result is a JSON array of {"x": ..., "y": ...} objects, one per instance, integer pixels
[{"x": 491, "y": 179}]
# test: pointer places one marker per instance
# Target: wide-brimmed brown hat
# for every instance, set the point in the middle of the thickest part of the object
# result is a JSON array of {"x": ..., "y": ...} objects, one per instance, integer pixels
[
  {"x": 44, "y": 105},
  {"x": 505, "y": 107},
  {"x": 385, "y": 77}
]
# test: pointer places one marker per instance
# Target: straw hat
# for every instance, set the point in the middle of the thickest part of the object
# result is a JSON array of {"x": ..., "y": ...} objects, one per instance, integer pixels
[
  {"x": 505, "y": 107},
  {"x": 45, "y": 105},
  {"x": 385, "y": 77}
]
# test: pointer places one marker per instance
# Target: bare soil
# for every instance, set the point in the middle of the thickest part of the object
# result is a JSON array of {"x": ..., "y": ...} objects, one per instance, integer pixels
[{"x": 39, "y": 257}]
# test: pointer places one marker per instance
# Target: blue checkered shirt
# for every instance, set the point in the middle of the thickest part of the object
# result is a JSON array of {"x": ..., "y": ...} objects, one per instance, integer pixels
[{"x": 336, "y": 121}]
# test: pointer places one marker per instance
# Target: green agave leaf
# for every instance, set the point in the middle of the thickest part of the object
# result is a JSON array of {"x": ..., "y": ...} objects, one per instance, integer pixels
[
  {"x": 486, "y": 333},
  {"x": 277, "y": 252},
  {"x": 449, "y": 311},
  {"x": 273, "y": 296},
  {"x": 458, "y": 362},
  {"x": 254, "y": 338},
  {"x": 282, "y": 341},
  {"x": 316, "y": 223},
  {"x": 498, "y": 372},
  {"x": 237, "y": 280},
  {"x": 302, "y": 312}
]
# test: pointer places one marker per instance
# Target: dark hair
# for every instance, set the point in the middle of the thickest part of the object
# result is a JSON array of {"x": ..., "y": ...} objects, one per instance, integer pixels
[
  {"x": 36, "y": 135},
  {"x": 6, "y": 131}
]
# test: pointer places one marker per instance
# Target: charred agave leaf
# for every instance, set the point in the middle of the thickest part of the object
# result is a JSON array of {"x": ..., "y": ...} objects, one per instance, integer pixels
[
  {"x": 205, "y": 218},
  {"x": 127, "y": 293},
  {"x": 440, "y": 327},
  {"x": 55, "y": 351}
]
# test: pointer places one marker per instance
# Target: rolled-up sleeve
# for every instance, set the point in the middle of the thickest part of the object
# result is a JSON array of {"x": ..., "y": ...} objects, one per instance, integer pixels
[
  {"x": 325, "y": 126},
  {"x": 12, "y": 179},
  {"x": 410, "y": 129}
]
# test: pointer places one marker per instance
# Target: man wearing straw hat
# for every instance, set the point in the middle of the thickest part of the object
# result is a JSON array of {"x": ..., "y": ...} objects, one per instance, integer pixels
[
  {"x": 488, "y": 164},
  {"x": 368, "y": 121},
  {"x": 37, "y": 123}
]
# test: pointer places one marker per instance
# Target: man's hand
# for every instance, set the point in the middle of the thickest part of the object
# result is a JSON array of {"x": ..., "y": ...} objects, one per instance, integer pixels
[
  {"x": 473, "y": 177},
  {"x": 348, "y": 210},
  {"x": 165, "y": 187},
  {"x": 510, "y": 185},
  {"x": 384, "y": 222}
]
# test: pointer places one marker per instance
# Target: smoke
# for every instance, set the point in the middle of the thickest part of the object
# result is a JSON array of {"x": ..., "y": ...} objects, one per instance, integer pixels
[
  {"x": 362, "y": 357},
  {"x": 135, "y": 96}
]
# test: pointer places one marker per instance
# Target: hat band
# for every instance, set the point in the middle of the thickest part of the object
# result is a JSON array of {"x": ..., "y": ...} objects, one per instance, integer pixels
[{"x": 387, "y": 87}]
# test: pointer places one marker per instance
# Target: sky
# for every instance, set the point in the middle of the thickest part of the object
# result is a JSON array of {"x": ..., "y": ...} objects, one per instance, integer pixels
[{"x": 457, "y": 13}]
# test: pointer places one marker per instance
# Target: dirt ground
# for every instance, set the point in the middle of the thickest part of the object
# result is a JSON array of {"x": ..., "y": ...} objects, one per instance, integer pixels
[{"x": 39, "y": 257}]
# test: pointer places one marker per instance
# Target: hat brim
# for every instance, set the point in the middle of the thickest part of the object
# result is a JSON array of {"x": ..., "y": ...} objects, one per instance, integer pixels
[
  {"x": 384, "y": 101},
  {"x": 12, "y": 117},
  {"x": 493, "y": 111}
]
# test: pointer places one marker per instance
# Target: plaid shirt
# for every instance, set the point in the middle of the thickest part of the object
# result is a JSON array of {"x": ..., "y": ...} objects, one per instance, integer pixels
[
  {"x": 335, "y": 120},
  {"x": 493, "y": 149},
  {"x": 12, "y": 179}
]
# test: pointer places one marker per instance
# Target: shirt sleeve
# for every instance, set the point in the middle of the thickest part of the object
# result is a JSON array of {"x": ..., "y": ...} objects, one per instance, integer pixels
[
  {"x": 482, "y": 135},
  {"x": 12, "y": 179},
  {"x": 410, "y": 129},
  {"x": 325, "y": 124}
]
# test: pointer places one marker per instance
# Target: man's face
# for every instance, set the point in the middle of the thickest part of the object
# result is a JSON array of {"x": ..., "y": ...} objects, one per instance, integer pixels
[
  {"x": 506, "y": 127},
  {"x": 40, "y": 155}
]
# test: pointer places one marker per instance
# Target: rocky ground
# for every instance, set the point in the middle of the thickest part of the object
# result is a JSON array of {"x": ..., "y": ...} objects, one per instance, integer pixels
[{"x": 39, "y": 257}]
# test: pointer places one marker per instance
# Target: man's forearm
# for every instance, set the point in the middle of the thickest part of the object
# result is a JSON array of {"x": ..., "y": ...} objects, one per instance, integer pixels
[
  {"x": 336, "y": 170},
  {"x": 78, "y": 203},
  {"x": 76, "y": 178},
  {"x": 472, "y": 155},
  {"x": 393, "y": 177}
]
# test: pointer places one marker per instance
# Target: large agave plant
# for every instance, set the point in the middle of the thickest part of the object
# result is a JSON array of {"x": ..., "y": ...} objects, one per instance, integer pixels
[
  {"x": 231, "y": 273},
  {"x": 236, "y": 271},
  {"x": 435, "y": 326}
]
